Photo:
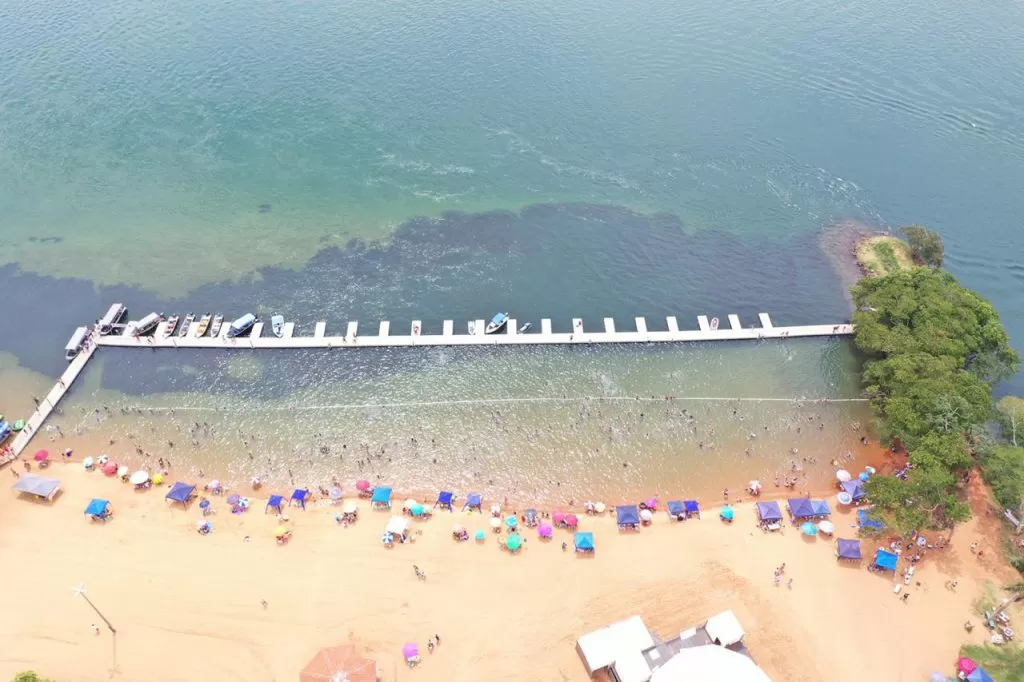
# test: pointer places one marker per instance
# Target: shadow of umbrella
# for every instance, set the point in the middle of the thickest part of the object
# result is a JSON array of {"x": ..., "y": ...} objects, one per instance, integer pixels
[{"x": 340, "y": 663}]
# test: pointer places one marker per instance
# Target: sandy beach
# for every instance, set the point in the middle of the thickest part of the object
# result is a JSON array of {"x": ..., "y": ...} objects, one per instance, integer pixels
[{"x": 186, "y": 605}]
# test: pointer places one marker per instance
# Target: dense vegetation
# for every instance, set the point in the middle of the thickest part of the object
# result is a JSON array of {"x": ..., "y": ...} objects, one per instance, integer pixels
[
  {"x": 925, "y": 245},
  {"x": 1002, "y": 663},
  {"x": 935, "y": 350}
]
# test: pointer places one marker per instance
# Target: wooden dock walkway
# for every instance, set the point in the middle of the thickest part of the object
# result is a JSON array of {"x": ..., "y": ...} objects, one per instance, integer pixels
[{"x": 609, "y": 333}]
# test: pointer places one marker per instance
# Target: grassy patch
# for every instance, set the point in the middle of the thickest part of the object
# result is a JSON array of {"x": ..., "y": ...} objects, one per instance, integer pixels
[
  {"x": 1002, "y": 663},
  {"x": 883, "y": 254}
]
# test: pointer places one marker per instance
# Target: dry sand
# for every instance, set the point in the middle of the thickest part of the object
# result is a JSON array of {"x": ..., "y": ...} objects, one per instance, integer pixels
[{"x": 188, "y": 607}]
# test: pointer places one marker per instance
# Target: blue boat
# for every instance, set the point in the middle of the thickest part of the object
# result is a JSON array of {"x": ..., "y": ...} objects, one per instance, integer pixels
[
  {"x": 242, "y": 325},
  {"x": 5, "y": 431},
  {"x": 497, "y": 323}
]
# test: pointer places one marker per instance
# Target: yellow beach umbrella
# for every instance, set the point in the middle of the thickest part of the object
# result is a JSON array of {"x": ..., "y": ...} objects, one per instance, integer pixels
[
  {"x": 280, "y": 532},
  {"x": 158, "y": 479}
]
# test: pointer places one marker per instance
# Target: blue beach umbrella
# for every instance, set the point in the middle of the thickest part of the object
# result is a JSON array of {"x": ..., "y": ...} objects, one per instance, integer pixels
[
  {"x": 417, "y": 510},
  {"x": 727, "y": 513},
  {"x": 511, "y": 521},
  {"x": 204, "y": 504},
  {"x": 864, "y": 476},
  {"x": 809, "y": 529},
  {"x": 480, "y": 536}
]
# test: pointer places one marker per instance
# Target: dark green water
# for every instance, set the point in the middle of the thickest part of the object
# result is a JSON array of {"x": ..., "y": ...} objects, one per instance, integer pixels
[{"x": 682, "y": 159}]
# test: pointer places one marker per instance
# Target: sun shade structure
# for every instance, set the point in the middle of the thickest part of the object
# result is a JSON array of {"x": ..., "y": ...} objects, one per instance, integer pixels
[
  {"x": 979, "y": 675},
  {"x": 848, "y": 549},
  {"x": 275, "y": 502},
  {"x": 886, "y": 560},
  {"x": 854, "y": 489},
  {"x": 397, "y": 525},
  {"x": 709, "y": 663},
  {"x": 692, "y": 508},
  {"x": 474, "y": 501},
  {"x": 444, "y": 500},
  {"x": 38, "y": 486},
  {"x": 769, "y": 511},
  {"x": 299, "y": 496},
  {"x": 584, "y": 542},
  {"x": 821, "y": 508},
  {"x": 381, "y": 498},
  {"x": 724, "y": 629},
  {"x": 530, "y": 515},
  {"x": 800, "y": 507},
  {"x": 181, "y": 492},
  {"x": 603, "y": 648},
  {"x": 627, "y": 515},
  {"x": 865, "y": 521},
  {"x": 340, "y": 663},
  {"x": 675, "y": 509},
  {"x": 727, "y": 513},
  {"x": 97, "y": 509}
]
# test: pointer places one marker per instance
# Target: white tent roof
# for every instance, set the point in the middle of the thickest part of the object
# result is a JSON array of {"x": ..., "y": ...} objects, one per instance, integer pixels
[
  {"x": 724, "y": 628},
  {"x": 601, "y": 648},
  {"x": 710, "y": 663},
  {"x": 631, "y": 666},
  {"x": 397, "y": 525}
]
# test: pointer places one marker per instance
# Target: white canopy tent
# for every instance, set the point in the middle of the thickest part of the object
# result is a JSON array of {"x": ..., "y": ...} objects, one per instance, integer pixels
[
  {"x": 602, "y": 648},
  {"x": 724, "y": 629},
  {"x": 709, "y": 663},
  {"x": 397, "y": 525}
]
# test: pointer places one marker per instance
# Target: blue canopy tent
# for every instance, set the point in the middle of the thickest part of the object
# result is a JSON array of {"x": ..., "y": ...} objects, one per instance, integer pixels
[
  {"x": 769, "y": 512},
  {"x": 584, "y": 542},
  {"x": 444, "y": 500},
  {"x": 866, "y": 522},
  {"x": 299, "y": 495},
  {"x": 474, "y": 501},
  {"x": 381, "y": 498},
  {"x": 800, "y": 508},
  {"x": 676, "y": 510},
  {"x": 848, "y": 549},
  {"x": 821, "y": 508},
  {"x": 855, "y": 488},
  {"x": 38, "y": 486},
  {"x": 275, "y": 502},
  {"x": 979, "y": 675},
  {"x": 886, "y": 560},
  {"x": 98, "y": 510},
  {"x": 627, "y": 515},
  {"x": 181, "y": 492},
  {"x": 530, "y": 517},
  {"x": 692, "y": 507}
]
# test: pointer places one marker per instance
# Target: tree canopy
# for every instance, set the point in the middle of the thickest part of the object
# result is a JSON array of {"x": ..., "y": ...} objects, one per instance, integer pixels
[
  {"x": 935, "y": 349},
  {"x": 925, "y": 245}
]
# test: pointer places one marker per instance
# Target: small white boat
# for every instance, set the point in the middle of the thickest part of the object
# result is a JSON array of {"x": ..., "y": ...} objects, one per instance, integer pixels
[
  {"x": 203, "y": 325},
  {"x": 172, "y": 322},
  {"x": 277, "y": 325},
  {"x": 714, "y": 323},
  {"x": 497, "y": 323},
  {"x": 187, "y": 324},
  {"x": 525, "y": 327},
  {"x": 218, "y": 322}
]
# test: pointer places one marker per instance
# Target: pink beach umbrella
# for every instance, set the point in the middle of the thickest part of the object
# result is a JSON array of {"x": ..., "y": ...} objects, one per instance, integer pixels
[
  {"x": 410, "y": 650},
  {"x": 110, "y": 468},
  {"x": 362, "y": 486},
  {"x": 42, "y": 456},
  {"x": 571, "y": 520},
  {"x": 558, "y": 517},
  {"x": 966, "y": 665},
  {"x": 652, "y": 503},
  {"x": 544, "y": 530}
]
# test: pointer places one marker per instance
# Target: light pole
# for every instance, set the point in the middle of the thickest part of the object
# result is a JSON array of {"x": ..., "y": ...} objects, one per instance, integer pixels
[{"x": 80, "y": 591}]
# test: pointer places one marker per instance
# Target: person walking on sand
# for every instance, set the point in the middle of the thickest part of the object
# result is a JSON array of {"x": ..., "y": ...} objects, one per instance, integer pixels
[
  {"x": 790, "y": 584},
  {"x": 95, "y": 629}
]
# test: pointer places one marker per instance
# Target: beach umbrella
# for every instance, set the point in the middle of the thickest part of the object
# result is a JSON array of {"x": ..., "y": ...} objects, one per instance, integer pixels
[
  {"x": 42, "y": 455},
  {"x": 110, "y": 468},
  {"x": 826, "y": 527},
  {"x": 87, "y": 462},
  {"x": 599, "y": 507},
  {"x": 362, "y": 486},
  {"x": 280, "y": 532},
  {"x": 480, "y": 535},
  {"x": 754, "y": 486},
  {"x": 201, "y": 524},
  {"x": 409, "y": 504},
  {"x": 809, "y": 529},
  {"x": 204, "y": 504},
  {"x": 495, "y": 509},
  {"x": 214, "y": 485},
  {"x": 514, "y": 542},
  {"x": 158, "y": 479},
  {"x": 558, "y": 517},
  {"x": 979, "y": 675},
  {"x": 544, "y": 530},
  {"x": 339, "y": 664},
  {"x": 495, "y": 522},
  {"x": 864, "y": 476},
  {"x": 571, "y": 520},
  {"x": 843, "y": 476},
  {"x": 139, "y": 477},
  {"x": 938, "y": 677},
  {"x": 349, "y": 508},
  {"x": 651, "y": 502},
  {"x": 243, "y": 502},
  {"x": 844, "y": 498},
  {"x": 646, "y": 515},
  {"x": 334, "y": 493},
  {"x": 104, "y": 458},
  {"x": 458, "y": 528},
  {"x": 410, "y": 650},
  {"x": 122, "y": 471},
  {"x": 727, "y": 513},
  {"x": 870, "y": 470},
  {"x": 233, "y": 499},
  {"x": 966, "y": 665},
  {"x": 511, "y": 522},
  {"x": 417, "y": 510}
]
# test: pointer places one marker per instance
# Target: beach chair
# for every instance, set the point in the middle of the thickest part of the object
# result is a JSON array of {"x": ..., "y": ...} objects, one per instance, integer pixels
[
  {"x": 474, "y": 501},
  {"x": 444, "y": 500},
  {"x": 692, "y": 508},
  {"x": 299, "y": 496},
  {"x": 676, "y": 510},
  {"x": 275, "y": 502}
]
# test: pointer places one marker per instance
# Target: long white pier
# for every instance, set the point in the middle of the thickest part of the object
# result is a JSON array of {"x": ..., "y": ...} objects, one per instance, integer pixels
[{"x": 608, "y": 332}]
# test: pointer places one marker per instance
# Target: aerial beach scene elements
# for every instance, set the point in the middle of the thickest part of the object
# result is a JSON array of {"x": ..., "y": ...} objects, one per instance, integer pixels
[{"x": 511, "y": 342}]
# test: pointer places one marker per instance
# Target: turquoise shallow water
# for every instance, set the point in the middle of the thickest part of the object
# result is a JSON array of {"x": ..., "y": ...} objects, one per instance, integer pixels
[{"x": 680, "y": 160}]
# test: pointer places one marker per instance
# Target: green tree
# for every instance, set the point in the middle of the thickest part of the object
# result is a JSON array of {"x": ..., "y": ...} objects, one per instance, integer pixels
[
  {"x": 925, "y": 245},
  {"x": 1010, "y": 412},
  {"x": 30, "y": 676},
  {"x": 1004, "y": 472},
  {"x": 1002, "y": 663}
]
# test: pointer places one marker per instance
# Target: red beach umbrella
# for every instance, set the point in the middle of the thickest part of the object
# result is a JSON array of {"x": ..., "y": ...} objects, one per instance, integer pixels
[
  {"x": 42, "y": 456},
  {"x": 339, "y": 663},
  {"x": 571, "y": 520},
  {"x": 362, "y": 486},
  {"x": 110, "y": 468},
  {"x": 558, "y": 517}
]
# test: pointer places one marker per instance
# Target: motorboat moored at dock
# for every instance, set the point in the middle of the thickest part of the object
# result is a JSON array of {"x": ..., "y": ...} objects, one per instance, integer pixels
[
  {"x": 277, "y": 325},
  {"x": 242, "y": 325},
  {"x": 497, "y": 323},
  {"x": 203, "y": 325},
  {"x": 218, "y": 322}
]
